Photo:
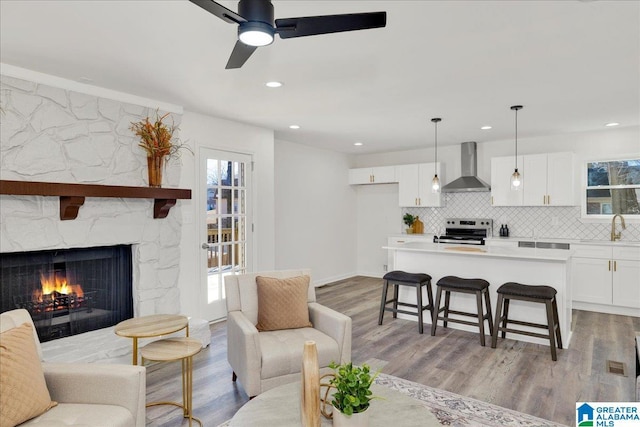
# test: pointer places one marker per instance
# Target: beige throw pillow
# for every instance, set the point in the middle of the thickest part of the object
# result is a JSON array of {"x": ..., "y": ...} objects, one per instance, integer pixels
[
  {"x": 23, "y": 390},
  {"x": 282, "y": 303}
]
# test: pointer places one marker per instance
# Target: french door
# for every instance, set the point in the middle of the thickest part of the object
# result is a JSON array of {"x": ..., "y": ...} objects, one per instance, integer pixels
[{"x": 225, "y": 223}]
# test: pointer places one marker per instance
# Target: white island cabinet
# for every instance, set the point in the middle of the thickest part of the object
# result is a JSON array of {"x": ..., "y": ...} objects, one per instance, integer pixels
[{"x": 497, "y": 265}]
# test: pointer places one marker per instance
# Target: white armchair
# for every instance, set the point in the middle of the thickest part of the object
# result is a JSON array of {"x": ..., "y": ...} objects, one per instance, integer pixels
[
  {"x": 87, "y": 394},
  {"x": 264, "y": 360}
]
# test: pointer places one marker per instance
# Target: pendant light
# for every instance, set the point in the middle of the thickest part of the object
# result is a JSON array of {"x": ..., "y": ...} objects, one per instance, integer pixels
[
  {"x": 516, "y": 178},
  {"x": 435, "y": 182}
]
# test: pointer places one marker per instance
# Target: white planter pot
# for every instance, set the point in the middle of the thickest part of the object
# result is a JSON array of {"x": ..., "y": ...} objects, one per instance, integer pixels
[{"x": 360, "y": 419}]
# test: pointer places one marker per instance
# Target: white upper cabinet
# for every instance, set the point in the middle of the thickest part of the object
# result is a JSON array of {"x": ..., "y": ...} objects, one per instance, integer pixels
[
  {"x": 377, "y": 175},
  {"x": 501, "y": 170},
  {"x": 560, "y": 179},
  {"x": 414, "y": 185},
  {"x": 547, "y": 180}
]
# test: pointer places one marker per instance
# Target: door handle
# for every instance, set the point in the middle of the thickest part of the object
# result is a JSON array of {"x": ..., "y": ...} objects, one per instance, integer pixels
[{"x": 205, "y": 246}]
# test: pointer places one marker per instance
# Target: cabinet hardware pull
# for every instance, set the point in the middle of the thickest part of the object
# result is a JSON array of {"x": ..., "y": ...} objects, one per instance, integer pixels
[
  {"x": 609, "y": 265},
  {"x": 544, "y": 200},
  {"x": 492, "y": 200},
  {"x": 549, "y": 199},
  {"x": 615, "y": 265}
]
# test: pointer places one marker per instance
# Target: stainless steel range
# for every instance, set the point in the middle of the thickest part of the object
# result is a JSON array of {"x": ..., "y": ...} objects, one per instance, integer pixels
[{"x": 468, "y": 231}]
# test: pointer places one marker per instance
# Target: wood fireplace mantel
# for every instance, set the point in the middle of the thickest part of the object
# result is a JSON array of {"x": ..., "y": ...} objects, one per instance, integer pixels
[{"x": 72, "y": 195}]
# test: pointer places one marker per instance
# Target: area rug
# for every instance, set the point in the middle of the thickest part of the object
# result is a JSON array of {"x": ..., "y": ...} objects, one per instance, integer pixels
[{"x": 458, "y": 411}]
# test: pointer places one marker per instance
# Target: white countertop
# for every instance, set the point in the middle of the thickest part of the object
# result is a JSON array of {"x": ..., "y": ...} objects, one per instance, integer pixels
[
  {"x": 484, "y": 251},
  {"x": 623, "y": 242}
]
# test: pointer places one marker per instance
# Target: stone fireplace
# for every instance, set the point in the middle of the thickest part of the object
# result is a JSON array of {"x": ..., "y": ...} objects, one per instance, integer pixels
[{"x": 51, "y": 134}]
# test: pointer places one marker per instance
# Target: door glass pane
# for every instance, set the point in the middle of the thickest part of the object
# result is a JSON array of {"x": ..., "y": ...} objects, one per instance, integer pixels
[{"x": 226, "y": 223}]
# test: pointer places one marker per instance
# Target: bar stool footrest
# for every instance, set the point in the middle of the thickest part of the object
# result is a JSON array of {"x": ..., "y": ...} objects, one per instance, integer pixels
[
  {"x": 464, "y": 322},
  {"x": 523, "y": 323}
]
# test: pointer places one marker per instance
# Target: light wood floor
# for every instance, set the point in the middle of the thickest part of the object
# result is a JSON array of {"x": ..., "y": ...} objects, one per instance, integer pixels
[{"x": 516, "y": 375}]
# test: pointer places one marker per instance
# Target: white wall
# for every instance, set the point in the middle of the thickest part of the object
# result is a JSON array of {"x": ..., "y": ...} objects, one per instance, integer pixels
[
  {"x": 378, "y": 217},
  {"x": 315, "y": 212},
  {"x": 210, "y": 132}
]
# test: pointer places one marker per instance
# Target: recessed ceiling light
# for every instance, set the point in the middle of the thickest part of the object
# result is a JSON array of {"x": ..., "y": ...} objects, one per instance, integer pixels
[
  {"x": 294, "y": 127},
  {"x": 612, "y": 124},
  {"x": 358, "y": 144},
  {"x": 273, "y": 84},
  {"x": 485, "y": 127}
]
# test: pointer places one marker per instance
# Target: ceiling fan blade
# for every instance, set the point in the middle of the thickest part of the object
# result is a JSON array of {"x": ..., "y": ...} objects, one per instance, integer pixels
[
  {"x": 312, "y": 25},
  {"x": 220, "y": 11},
  {"x": 241, "y": 52}
]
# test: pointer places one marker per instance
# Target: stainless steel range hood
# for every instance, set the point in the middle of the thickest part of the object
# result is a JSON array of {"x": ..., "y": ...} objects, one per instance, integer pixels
[{"x": 469, "y": 180}]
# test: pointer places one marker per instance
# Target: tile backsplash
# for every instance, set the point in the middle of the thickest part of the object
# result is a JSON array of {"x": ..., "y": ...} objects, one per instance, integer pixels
[{"x": 540, "y": 222}]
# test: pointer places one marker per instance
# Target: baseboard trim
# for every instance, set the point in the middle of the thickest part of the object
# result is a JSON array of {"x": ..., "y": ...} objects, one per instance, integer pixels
[{"x": 608, "y": 309}]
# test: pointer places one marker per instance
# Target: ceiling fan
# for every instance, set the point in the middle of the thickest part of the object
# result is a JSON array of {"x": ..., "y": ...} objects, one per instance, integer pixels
[{"x": 256, "y": 25}]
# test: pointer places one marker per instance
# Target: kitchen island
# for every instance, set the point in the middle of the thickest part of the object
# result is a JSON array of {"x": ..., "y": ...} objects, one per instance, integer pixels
[{"x": 497, "y": 265}]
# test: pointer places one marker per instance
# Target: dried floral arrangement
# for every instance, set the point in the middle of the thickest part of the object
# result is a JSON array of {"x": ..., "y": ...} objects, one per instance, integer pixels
[{"x": 156, "y": 138}]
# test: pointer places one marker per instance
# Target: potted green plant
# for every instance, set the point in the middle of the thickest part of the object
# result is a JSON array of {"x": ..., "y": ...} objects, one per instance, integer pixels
[
  {"x": 409, "y": 219},
  {"x": 353, "y": 394}
]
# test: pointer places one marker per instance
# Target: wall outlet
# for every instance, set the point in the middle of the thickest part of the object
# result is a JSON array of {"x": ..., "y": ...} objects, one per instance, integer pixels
[
  {"x": 555, "y": 221},
  {"x": 384, "y": 267}
]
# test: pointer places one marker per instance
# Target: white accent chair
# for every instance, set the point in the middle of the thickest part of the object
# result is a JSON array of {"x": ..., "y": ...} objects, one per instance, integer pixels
[
  {"x": 264, "y": 360},
  {"x": 88, "y": 394}
]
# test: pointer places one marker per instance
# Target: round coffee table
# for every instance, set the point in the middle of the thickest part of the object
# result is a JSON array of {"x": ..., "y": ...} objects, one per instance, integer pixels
[
  {"x": 280, "y": 407},
  {"x": 150, "y": 326}
]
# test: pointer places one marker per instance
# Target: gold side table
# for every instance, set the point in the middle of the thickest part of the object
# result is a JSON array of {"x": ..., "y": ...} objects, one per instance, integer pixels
[
  {"x": 170, "y": 350},
  {"x": 150, "y": 326}
]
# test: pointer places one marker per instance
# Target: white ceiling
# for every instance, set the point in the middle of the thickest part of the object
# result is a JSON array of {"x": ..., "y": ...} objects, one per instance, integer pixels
[{"x": 574, "y": 65}]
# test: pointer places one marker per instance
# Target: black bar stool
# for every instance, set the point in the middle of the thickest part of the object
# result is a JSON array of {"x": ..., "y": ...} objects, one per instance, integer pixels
[
  {"x": 540, "y": 294},
  {"x": 401, "y": 278},
  {"x": 479, "y": 287}
]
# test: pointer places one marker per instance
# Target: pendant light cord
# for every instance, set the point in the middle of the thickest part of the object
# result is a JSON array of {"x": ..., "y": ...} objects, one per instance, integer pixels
[
  {"x": 436, "y": 137},
  {"x": 435, "y": 121},
  {"x": 516, "y": 159},
  {"x": 516, "y": 108}
]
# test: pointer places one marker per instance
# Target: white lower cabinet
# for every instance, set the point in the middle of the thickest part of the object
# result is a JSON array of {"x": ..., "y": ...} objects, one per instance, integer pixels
[
  {"x": 606, "y": 275},
  {"x": 626, "y": 283}
]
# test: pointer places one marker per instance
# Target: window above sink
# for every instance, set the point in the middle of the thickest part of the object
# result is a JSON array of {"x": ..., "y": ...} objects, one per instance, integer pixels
[{"x": 612, "y": 187}]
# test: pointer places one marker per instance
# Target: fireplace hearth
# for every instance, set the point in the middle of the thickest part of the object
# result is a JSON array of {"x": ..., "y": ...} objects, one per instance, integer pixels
[{"x": 69, "y": 291}]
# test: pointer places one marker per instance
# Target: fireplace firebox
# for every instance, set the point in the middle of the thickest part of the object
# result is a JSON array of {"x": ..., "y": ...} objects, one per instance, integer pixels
[{"x": 69, "y": 291}]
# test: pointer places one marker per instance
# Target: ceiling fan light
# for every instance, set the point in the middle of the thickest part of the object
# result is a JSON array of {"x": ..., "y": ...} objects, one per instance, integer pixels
[{"x": 255, "y": 33}]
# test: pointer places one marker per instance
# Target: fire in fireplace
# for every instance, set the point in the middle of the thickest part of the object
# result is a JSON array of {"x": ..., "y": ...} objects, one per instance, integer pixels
[{"x": 69, "y": 291}]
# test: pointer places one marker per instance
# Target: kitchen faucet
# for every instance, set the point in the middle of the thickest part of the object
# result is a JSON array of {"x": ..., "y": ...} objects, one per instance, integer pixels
[{"x": 616, "y": 236}]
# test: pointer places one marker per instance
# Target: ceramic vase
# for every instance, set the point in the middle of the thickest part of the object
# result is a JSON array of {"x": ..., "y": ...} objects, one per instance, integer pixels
[
  {"x": 360, "y": 419},
  {"x": 155, "y": 165}
]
